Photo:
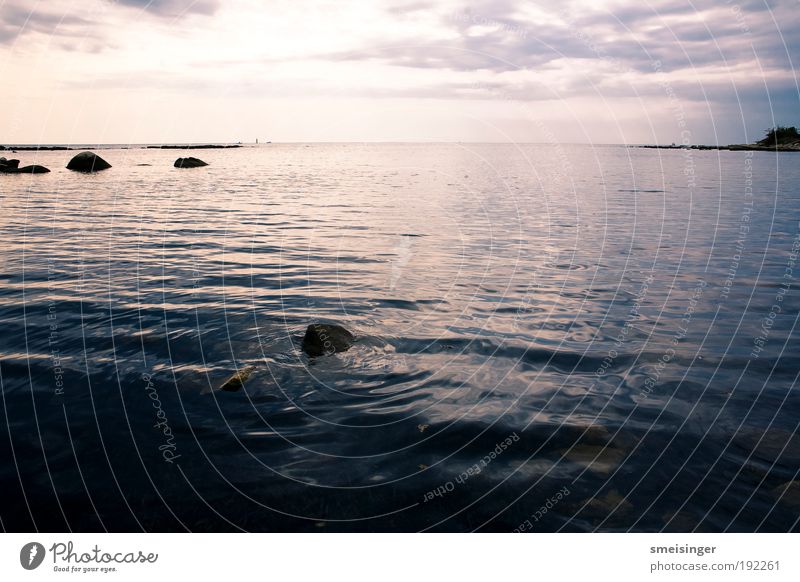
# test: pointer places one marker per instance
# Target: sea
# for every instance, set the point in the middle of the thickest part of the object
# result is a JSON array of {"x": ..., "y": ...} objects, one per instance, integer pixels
[{"x": 549, "y": 338}]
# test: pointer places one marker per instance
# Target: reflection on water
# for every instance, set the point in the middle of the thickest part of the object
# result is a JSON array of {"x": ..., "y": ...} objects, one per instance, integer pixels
[{"x": 609, "y": 332}]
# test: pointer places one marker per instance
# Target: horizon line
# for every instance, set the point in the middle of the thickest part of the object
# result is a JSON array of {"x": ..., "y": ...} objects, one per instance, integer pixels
[{"x": 8, "y": 146}]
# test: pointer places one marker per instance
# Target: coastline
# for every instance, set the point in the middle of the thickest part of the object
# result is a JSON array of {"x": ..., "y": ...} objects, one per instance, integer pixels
[
  {"x": 731, "y": 148},
  {"x": 60, "y": 148}
]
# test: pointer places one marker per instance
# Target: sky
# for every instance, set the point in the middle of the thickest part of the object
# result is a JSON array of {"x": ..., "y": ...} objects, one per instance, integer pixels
[{"x": 565, "y": 71}]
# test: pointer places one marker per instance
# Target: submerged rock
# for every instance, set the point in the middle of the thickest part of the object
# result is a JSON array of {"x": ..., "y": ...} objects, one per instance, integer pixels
[
  {"x": 769, "y": 445},
  {"x": 601, "y": 459},
  {"x": 189, "y": 163},
  {"x": 604, "y": 507},
  {"x": 326, "y": 339},
  {"x": 788, "y": 493},
  {"x": 87, "y": 162},
  {"x": 236, "y": 382}
]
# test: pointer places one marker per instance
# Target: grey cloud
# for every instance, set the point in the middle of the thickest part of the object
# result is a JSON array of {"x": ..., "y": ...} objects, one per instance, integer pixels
[
  {"x": 16, "y": 20},
  {"x": 174, "y": 8},
  {"x": 680, "y": 35}
]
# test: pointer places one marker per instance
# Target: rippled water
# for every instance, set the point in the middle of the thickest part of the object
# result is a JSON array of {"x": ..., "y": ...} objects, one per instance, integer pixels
[{"x": 549, "y": 338}]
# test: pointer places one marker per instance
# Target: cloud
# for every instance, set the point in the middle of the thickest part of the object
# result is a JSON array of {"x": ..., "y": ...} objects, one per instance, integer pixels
[
  {"x": 482, "y": 53},
  {"x": 16, "y": 20},
  {"x": 174, "y": 8},
  {"x": 746, "y": 47},
  {"x": 55, "y": 19}
]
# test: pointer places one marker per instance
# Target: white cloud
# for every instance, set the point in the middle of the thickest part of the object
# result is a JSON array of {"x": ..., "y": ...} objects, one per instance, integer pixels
[{"x": 244, "y": 56}]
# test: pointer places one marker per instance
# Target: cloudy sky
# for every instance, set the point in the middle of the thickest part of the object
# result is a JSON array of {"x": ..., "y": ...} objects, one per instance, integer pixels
[{"x": 601, "y": 71}]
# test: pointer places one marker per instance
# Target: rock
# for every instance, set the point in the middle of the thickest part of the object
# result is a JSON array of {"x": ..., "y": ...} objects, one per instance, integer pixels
[
  {"x": 326, "y": 339},
  {"x": 34, "y": 169},
  {"x": 236, "y": 382},
  {"x": 189, "y": 163},
  {"x": 11, "y": 163},
  {"x": 88, "y": 162},
  {"x": 4, "y": 169}
]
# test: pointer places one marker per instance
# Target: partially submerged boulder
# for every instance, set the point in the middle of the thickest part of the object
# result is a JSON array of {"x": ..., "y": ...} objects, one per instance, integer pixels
[
  {"x": 88, "y": 162},
  {"x": 34, "y": 169},
  {"x": 324, "y": 339},
  {"x": 9, "y": 163},
  {"x": 189, "y": 163},
  {"x": 236, "y": 382}
]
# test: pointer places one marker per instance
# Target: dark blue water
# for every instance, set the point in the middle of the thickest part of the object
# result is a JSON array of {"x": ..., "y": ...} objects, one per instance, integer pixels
[{"x": 550, "y": 338}]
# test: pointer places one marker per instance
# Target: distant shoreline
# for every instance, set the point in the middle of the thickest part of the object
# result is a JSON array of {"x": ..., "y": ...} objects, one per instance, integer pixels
[
  {"x": 59, "y": 148},
  {"x": 793, "y": 147},
  {"x": 732, "y": 148}
]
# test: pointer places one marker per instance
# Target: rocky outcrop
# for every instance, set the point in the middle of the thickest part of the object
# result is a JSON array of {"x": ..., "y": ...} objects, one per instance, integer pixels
[
  {"x": 35, "y": 148},
  {"x": 192, "y": 147},
  {"x": 88, "y": 162},
  {"x": 323, "y": 339},
  {"x": 189, "y": 163}
]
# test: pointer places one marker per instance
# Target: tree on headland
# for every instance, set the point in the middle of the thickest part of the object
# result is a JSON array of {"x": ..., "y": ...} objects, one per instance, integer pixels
[{"x": 780, "y": 135}]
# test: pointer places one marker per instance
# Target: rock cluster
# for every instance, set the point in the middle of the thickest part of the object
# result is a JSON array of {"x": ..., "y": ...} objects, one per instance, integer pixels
[{"x": 12, "y": 167}]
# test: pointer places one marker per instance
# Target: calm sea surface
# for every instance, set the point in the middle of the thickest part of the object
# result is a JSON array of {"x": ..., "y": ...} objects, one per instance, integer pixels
[{"x": 550, "y": 338}]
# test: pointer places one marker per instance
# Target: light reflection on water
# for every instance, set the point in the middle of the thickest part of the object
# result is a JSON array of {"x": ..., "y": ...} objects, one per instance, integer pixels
[{"x": 600, "y": 303}]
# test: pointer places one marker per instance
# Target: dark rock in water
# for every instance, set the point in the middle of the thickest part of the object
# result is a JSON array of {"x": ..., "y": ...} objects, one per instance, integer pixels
[
  {"x": 235, "y": 382},
  {"x": 26, "y": 170},
  {"x": 34, "y": 169},
  {"x": 9, "y": 163},
  {"x": 325, "y": 339},
  {"x": 189, "y": 163},
  {"x": 88, "y": 162}
]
